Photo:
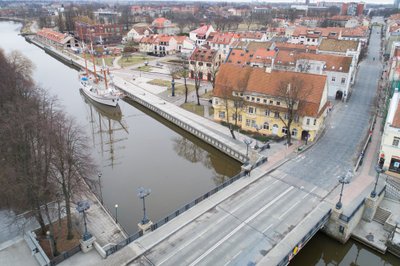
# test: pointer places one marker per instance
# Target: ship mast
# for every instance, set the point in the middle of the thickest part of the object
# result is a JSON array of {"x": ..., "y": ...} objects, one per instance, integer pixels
[
  {"x": 104, "y": 72},
  {"x": 84, "y": 52},
  {"x": 92, "y": 53}
]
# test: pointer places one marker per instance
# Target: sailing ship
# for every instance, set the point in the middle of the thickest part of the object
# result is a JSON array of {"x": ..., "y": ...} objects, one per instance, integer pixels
[{"x": 103, "y": 93}]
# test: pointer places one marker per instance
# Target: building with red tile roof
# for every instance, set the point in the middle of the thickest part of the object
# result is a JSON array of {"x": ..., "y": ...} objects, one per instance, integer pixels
[
  {"x": 204, "y": 63},
  {"x": 260, "y": 93},
  {"x": 163, "y": 26},
  {"x": 56, "y": 39},
  {"x": 200, "y": 35}
]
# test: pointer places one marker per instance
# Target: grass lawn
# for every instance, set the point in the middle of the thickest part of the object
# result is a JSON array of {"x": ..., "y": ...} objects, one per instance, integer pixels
[
  {"x": 179, "y": 87},
  {"x": 194, "y": 108},
  {"x": 107, "y": 59},
  {"x": 207, "y": 95},
  {"x": 132, "y": 60},
  {"x": 144, "y": 68}
]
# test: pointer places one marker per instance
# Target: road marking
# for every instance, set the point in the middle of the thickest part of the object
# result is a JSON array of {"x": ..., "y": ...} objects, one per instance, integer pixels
[
  {"x": 176, "y": 251},
  {"x": 234, "y": 231},
  {"x": 288, "y": 210},
  {"x": 234, "y": 257},
  {"x": 269, "y": 226},
  {"x": 315, "y": 187}
]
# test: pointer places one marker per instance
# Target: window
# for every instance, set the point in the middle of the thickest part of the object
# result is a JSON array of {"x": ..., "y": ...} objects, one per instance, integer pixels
[
  {"x": 343, "y": 80},
  {"x": 333, "y": 79},
  {"x": 253, "y": 123},
  {"x": 247, "y": 122},
  {"x": 278, "y": 103},
  {"x": 221, "y": 114},
  {"x": 276, "y": 115},
  {"x": 265, "y": 100},
  {"x": 296, "y": 118},
  {"x": 396, "y": 141},
  {"x": 294, "y": 132},
  {"x": 252, "y": 98},
  {"x": 200, "y": 63},
  {"x": 234, "y": 117},
  {"x": 271, "y": 102},
  {"x": 247, "y": 98},
  {"x": 315, "y": 121},
  {"x": 284, "y": 130},
  {"x": 267, "y": 112},
  {"x": 286, "y": 116},
  {"x": 266, "y": 126},
  {"x": 258, "y": 100},
  {"x": 308, "y": 121},
  {"x": 240, "y": 118},
  {"x": 252, "y": 110},
  {"x": 215, "y": 101},
  {"x": 208, "y": 64}
]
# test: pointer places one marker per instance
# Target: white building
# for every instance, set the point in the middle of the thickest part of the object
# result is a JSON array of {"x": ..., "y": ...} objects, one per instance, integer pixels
[
  {"x": 200, "y": 35},
  {"x": 390, "y": 144}
]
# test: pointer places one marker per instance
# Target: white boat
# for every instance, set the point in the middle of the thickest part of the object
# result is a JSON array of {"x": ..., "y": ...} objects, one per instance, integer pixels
[{"x": 98, "y": 93}]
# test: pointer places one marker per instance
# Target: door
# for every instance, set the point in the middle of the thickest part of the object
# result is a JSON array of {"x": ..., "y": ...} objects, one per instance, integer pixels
[{"x": 275, "y": 128}]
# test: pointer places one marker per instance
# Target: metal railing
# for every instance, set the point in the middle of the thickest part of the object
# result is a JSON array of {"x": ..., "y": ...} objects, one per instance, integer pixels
[
  {"x": 305, "y": 239},
  {"x": 178, "y": 212},
  {"x": 65, "y": 255}
]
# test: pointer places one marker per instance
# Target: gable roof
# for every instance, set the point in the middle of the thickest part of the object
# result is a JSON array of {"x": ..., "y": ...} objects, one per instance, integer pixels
[
  {"x": 203, "y": 55},
  {"x": 202, "y": 30},
  {"x": 232, "y": 77}
]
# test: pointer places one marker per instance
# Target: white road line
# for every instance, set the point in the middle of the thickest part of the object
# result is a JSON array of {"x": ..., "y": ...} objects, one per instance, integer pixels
[
  {"x": 234, "y": 257},
  {"x": 315, "y": 187},
  {"x": 269, "y": 226},
  {"x": 216, "y": 245},
  {"x": 288, "y": 210},
  {"x": 176, "y": 251}
]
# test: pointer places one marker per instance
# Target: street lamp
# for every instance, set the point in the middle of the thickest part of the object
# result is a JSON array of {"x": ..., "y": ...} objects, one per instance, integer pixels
[
  {"x": 116, "y": 213},
  {"x": 81, "y": 208},
  {"x": 101, "y": 192},
  {"x": 257, "y": 129},
  {"x": 50, "y": 238},
  {"x": 343, "y": 180},
  {"x": 173, "y": 86},
  {"x": 142, "y": 194},
  {"x": 378, "y": 170},
  {"x": 247, "y": 142}
]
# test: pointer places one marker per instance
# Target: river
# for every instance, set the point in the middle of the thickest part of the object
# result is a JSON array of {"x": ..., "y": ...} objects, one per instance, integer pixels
[{"x": 132, "y": 147}]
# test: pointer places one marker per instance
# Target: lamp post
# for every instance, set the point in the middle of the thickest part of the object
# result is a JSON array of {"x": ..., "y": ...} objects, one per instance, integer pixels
[
  {"x": 50, "y": 238},
  {"x": 101, "y": 192},
  {"x": 116, "y": 213},
  {"x": 81, "y": 208},
  {"x": 378, "y": 170},
  {"x": 173, "y": 86},
  {"x": 343, "y": 180},
  {"x": 142, "y": 194},
  {"x": 257, "y": 129},
  {"x": 247, "y": 142}
]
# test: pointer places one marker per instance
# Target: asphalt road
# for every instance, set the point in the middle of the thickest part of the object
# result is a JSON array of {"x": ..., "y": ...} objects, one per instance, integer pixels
[{"x": 244, "y": 228}]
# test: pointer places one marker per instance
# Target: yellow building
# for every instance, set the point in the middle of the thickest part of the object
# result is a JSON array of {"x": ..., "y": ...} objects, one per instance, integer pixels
[{"x": 257, "y": 100}]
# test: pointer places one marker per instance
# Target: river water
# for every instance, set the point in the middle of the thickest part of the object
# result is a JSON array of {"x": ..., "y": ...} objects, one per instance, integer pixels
[{"x": 132, "y": 147}]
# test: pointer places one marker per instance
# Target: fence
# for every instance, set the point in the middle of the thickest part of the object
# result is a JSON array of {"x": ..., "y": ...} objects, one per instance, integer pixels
[
  {"x": 305, "y": 239},
  {"x": 65, "y": 255},
  {"x": 367, "y": 141},
  {"x": 179, "y": 211}
]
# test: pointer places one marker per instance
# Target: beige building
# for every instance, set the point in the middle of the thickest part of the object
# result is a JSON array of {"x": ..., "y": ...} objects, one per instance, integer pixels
[
  {"x": 390, "y": 144},
  {"x": 251, "y": 98}
]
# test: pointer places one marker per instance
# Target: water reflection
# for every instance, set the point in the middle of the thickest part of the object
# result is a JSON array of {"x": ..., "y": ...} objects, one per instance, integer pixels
[{"x": 104, "y": 122}]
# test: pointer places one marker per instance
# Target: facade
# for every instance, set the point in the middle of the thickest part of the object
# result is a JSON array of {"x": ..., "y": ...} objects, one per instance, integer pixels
[
  {"x": 250, "y": 98},
  {"x": 99, "y": 33},
  {"x": 200, "y": 35},
  {"x": 340, "y": 47},
  {"x": 390, "y": 144},
  {"x": 353, "y": 9},
  {"x": 221, "y": 41},
  {"x": 204, "y": 63},
  {"x": 56, "y": 39},
  {"x": 163, "y": 26},
  {"x": 313, "y": 36},
  {"x": 138, "y": 32}
]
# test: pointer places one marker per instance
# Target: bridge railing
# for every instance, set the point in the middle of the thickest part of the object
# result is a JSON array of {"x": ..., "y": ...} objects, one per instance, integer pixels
[
  {"x": 178, "y": 212},
  {"x": 347, "y": 219},
  {"x": 305, "y": 239}
]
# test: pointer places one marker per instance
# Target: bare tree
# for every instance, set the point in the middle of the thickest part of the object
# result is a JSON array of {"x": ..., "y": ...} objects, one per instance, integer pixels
[
  {"x": 249, "y": 20},
  {"x": 184, "y": 73},
  {"x": 72, "y": 163},
  {"x": 292, "y": 92},
  {"x": 214, "y": 71}
]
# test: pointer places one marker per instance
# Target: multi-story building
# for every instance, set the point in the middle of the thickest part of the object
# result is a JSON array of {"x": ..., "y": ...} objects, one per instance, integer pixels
[
  {"x": 340, "y": 47},
  {"x": 56, "y": 39},
  {"x": 390, "y": 144},
  {"x": 352, "y": 9},
  {"x": 204, "y": 63},
  {"x": 138, "y": 32},
  {"x": 221, "y": 41},
  {"x": 200, "y": 35},
  {"x": 99, "y": 33},
  {"x": 163, "y": 26},
  {"x": 252, "y": 99}
]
